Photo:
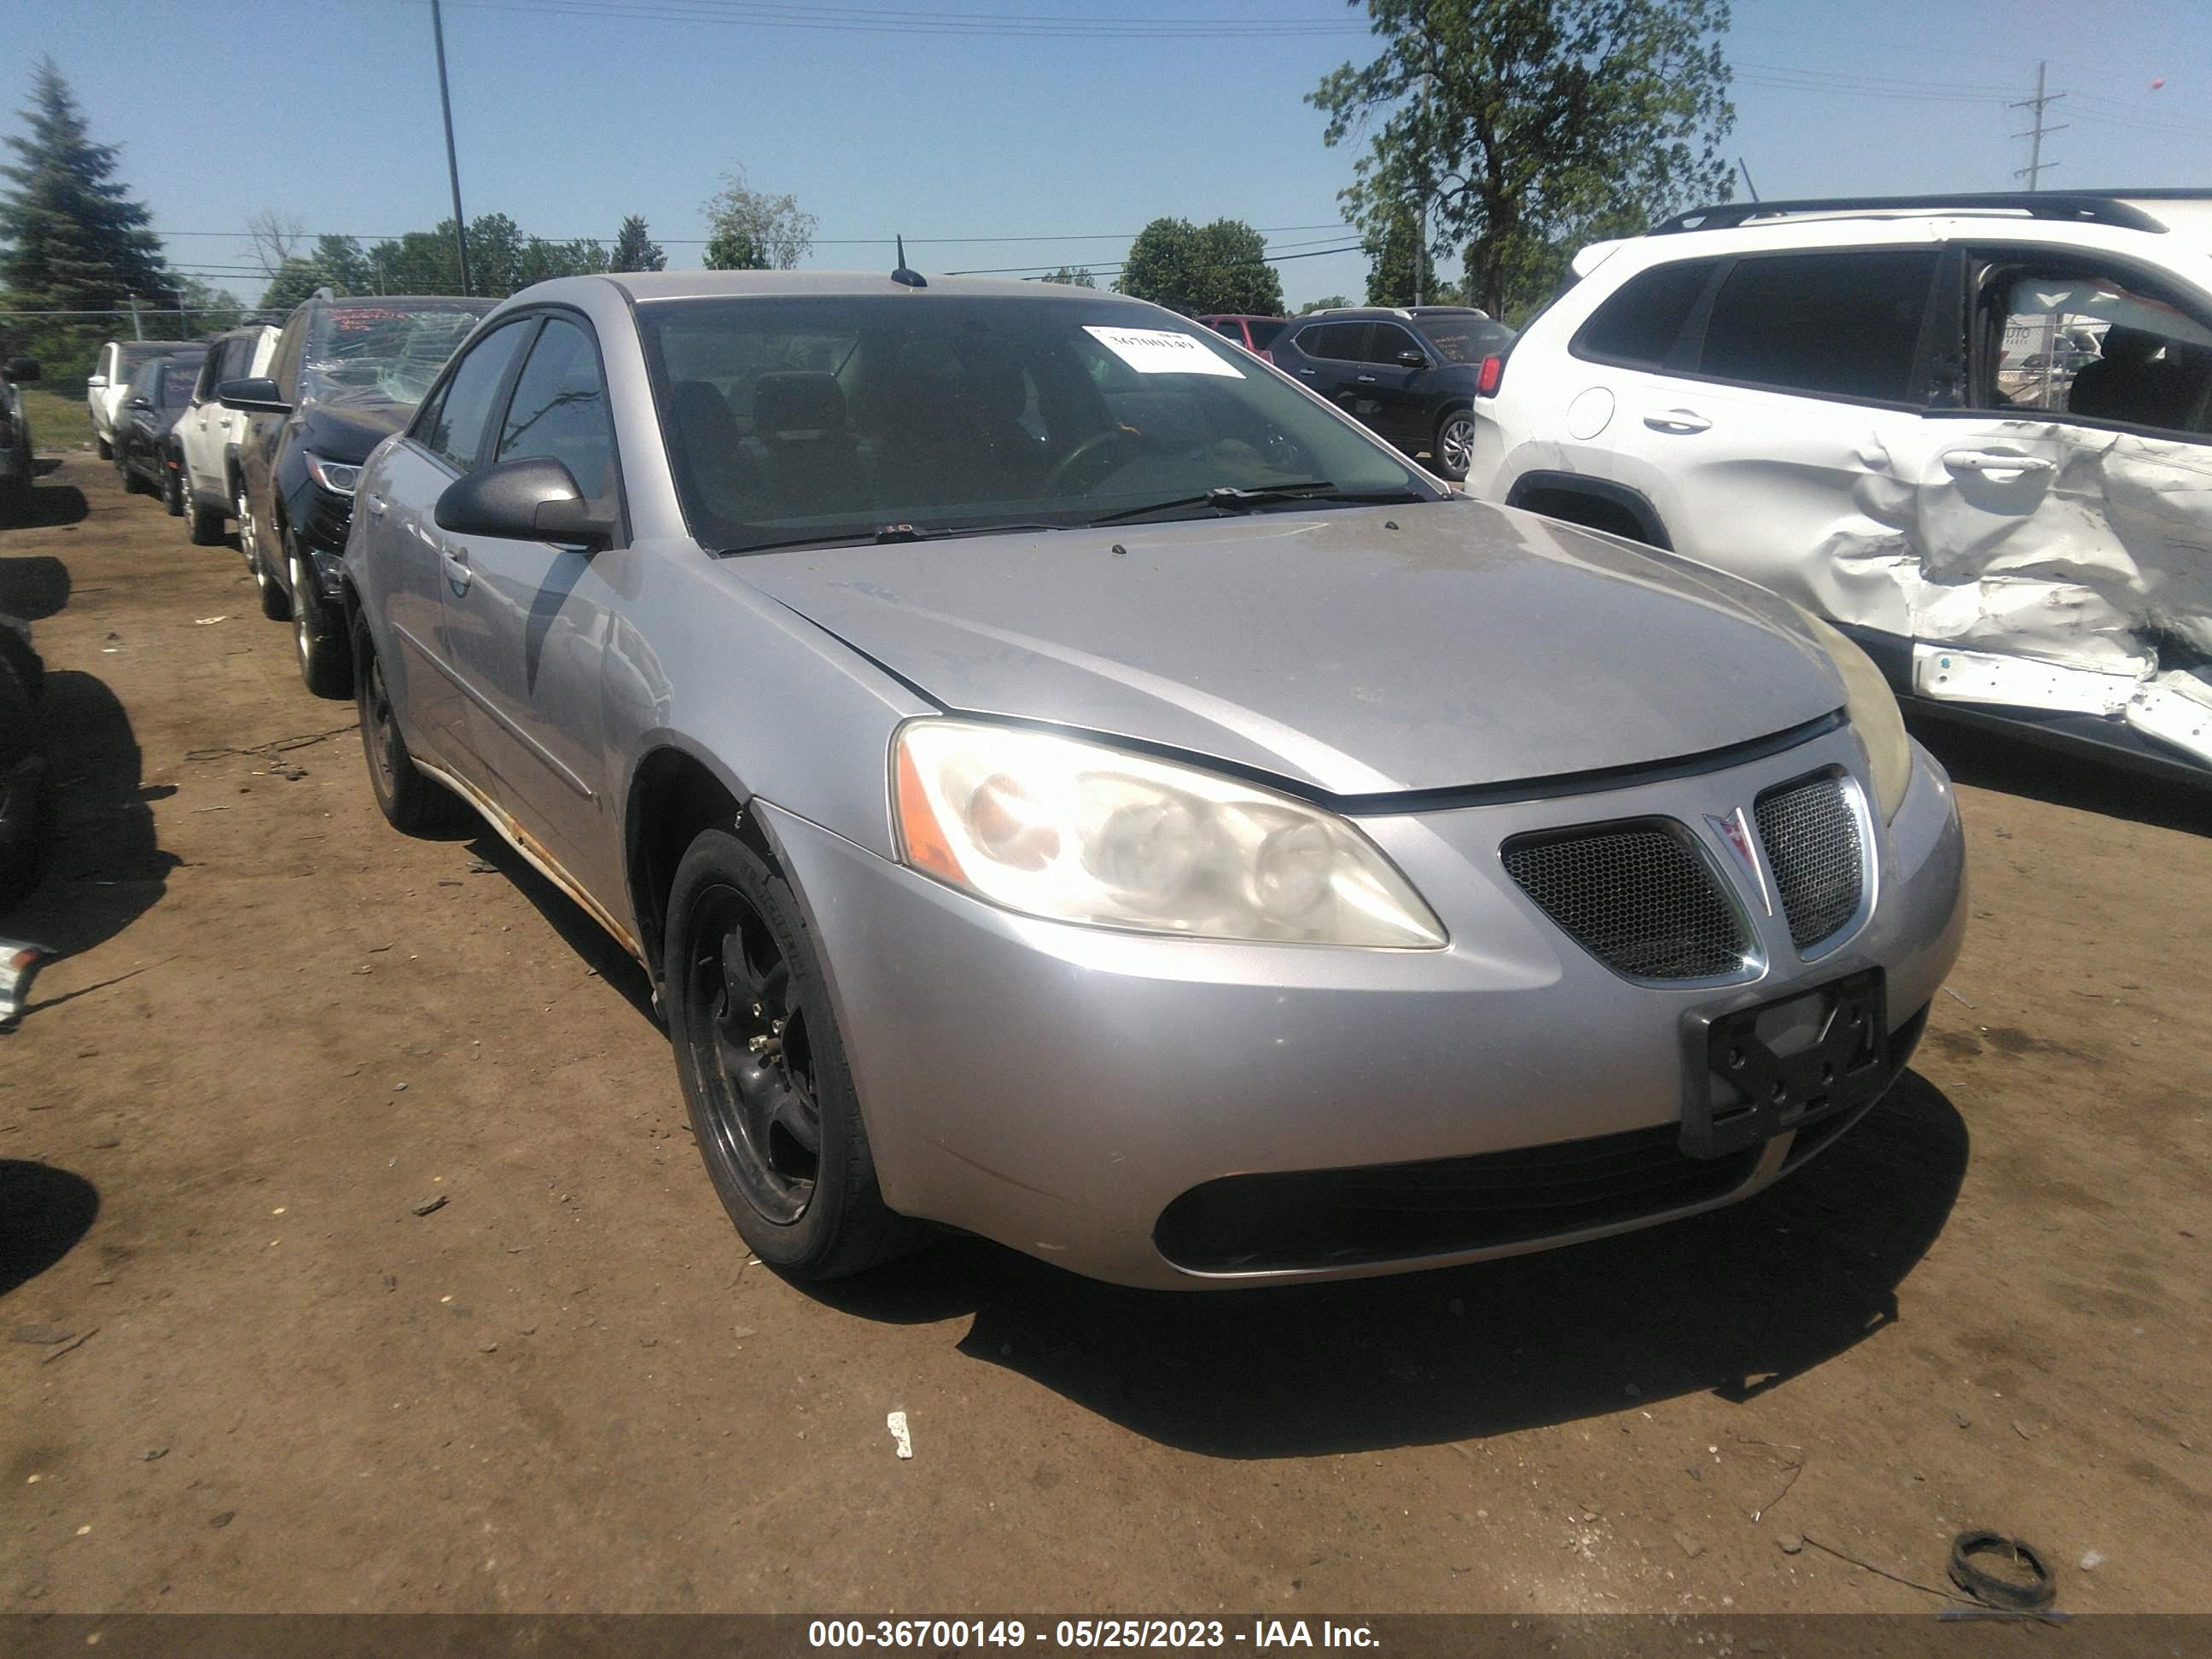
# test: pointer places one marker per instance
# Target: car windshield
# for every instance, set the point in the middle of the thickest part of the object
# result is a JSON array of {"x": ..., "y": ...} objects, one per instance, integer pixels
[
  {"x": 1466, "y": 341},
  {"x": 842, "y": 418},
  {"x": 178, "y": 375},
  {"x": 389, "y": 350}
]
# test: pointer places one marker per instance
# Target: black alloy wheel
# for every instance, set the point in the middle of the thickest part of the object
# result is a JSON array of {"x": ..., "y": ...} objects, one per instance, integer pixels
[{"x": 764, "y": 1071}]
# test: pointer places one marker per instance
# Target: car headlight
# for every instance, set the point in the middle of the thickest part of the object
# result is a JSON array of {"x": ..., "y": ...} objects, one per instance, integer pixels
[
  {"x": 339, "y": 477},
  {"x": 1077, "y": 831},
  {"x": 1873, "y": 710}
]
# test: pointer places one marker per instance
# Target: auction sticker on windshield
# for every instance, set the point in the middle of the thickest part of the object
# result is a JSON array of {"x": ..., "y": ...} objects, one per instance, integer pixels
[{"x": 1157, "y": 351}]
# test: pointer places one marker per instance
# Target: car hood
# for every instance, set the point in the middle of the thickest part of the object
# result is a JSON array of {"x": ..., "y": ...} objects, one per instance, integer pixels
[
  {"x": 347, "y": 429},
  {"x": 1366, "y": 651}
]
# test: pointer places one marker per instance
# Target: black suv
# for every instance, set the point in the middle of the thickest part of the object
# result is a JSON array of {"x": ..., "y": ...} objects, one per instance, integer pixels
[
  {"x": 347, "y": 373},
  {"x": 1410, "y": 373}
]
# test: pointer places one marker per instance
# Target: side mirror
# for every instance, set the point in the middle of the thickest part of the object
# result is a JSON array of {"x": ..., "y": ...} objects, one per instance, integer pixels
[
  {"x": 529, "y": 500},
  {"x": 22, "y": 370},
  {"x": 252, "y": 397},
  {"x": 95, "y": 383},
  {"x": 1412, "y": 360}
]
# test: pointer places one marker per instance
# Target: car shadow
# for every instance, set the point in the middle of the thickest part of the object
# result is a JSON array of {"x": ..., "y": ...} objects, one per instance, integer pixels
[
  {"x": 44, "y": 1212},
  {"x": 50, "y": 505},
  {"x": 1734, "y": 1302},
  {"x": 1986, "y": 757},
  {"x": 34, "y": 587},
  {"x": 102, "y": 866}
]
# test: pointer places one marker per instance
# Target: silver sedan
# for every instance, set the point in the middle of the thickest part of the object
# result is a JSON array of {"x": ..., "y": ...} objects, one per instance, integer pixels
[{"x": 1067, "y": 782}]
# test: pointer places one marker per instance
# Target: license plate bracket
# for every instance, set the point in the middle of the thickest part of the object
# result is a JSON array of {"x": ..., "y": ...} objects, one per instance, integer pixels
[{"x": 1779, "y": 1066}]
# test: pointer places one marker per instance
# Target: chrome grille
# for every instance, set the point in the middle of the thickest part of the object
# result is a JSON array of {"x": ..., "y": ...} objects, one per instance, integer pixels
[
  {"x": 1634, "y": 895},
  {"x": 1812, "y": 844}
]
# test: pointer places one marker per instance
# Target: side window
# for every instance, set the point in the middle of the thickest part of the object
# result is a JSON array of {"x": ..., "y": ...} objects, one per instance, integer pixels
[
  {"x": 2089, "y": 343},
  {"x": 559, "y": 410},
  {"x": 1640, "y": 325},
  {"x": 452, "y": 425},
  {"x": 1840, "y": 324},
  {"x": 1386, "y": 341},
  {"x": 1340, "y": 342}
]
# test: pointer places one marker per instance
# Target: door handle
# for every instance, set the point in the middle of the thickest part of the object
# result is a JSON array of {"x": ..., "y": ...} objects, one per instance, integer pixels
[
  {"x": 376, "y": 505},
  {"x": 1681, "y": 422},
  {"x": 1996, "y": 467},
  {"x": 1367, "y": 379},
  {"x": 458, "y": 573},
  {"x": 1307, "y": 372}
]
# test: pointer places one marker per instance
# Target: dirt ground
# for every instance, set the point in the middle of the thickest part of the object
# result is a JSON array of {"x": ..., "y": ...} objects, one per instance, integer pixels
[{"x": 274, "y": 1028}]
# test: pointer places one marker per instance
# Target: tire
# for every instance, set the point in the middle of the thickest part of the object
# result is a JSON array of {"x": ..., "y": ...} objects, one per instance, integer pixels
[
  {"x": 1453, "y": 452},
  {"x": 412, "y": 802},
  {"x": 207, "y": 525},
  {"x": 761, "y": 1086},
  {"x": 173, "y": 488},
  {"x": 107, "y": 449},
  {"x": 241, "y": 508},
  {"x": 276, "y": 603},
  {"x": 131, "y": 484},
  {"x": 318, "y": 638}
]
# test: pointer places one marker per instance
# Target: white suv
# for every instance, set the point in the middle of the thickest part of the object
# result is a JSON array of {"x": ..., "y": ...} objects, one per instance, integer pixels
[
  {"x": 1974, "y": 430},
  {"x": 207, "y": 434}
]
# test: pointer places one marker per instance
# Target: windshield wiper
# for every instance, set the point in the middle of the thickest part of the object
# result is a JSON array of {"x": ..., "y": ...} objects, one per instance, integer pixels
[
  {"x": 1228, "y": 499},
  {"x": 884, "y": 535}
]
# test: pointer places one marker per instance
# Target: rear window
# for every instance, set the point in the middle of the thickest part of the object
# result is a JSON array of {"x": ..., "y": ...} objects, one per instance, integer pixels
[
  {"x": 1841, "y": 325},
  {"x": 1265, "y": 334},
  {"x": 1466, "y": 341},
  {"x": 1641, "y": 324}
]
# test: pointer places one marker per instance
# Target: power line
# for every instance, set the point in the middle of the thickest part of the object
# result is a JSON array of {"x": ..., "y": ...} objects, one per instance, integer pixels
[{"x": 884, "y": 20}]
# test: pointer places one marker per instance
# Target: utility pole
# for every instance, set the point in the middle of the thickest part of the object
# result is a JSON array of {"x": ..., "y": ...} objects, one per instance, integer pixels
[
  {"x": 2036, "y": 165},
  {"x": 137, "y": 330},
  {"x": 453, "y": 165}
]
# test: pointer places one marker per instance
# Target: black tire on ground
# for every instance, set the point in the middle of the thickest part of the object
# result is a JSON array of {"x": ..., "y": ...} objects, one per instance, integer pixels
[
  {"x": 207, "y": 525},
  {"x": 412, "y": 802},
  {"x": 764, "y": 1073},
  {"x": 172, "y": 487},
  {"x": 107, "y": 449},
  {"x": 276, "y": 604},
  {"x": 1453, "y": 452},
  {"x": 318, "y": 637},
  {"x": 132, "y": 486}
]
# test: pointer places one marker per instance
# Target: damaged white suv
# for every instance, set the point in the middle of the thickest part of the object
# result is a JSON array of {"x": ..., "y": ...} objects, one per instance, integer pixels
[{"x": 1975, "y": 431}]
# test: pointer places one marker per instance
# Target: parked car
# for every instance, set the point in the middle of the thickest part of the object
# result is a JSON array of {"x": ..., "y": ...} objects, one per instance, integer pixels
[
  {"x": 1411, "y": 373},
  {"x": 22, "y": 760},
  {"x": 206, "y": 434},
  {"x": 1972, "y": 430},
  {"x": 18, "y": 467},
  {"x": 146, "y": 457},
  {"x": 344, "y": 374},
  {"x": 104, "y": 388},
  {"x": 1254, "y": 334},
  {"x": 1066, "y": 784}
]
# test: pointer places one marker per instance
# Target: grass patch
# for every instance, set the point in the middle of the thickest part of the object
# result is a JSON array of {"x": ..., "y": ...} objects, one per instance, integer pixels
[{"x": 57, "y": 420}]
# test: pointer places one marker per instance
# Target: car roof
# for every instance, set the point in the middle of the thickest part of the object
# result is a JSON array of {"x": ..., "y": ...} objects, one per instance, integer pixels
[{"x": 649, "y": 285}]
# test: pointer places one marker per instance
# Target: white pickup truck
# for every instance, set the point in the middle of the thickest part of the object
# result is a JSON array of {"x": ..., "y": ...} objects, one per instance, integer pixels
[
  {"x": 109, "y": 382},
  {"x": 207, "y": 434}
]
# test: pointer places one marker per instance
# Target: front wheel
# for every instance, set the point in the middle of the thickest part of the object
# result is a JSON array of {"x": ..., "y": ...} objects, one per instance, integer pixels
[
  {"x": 207, "y": 524},
  {"x": 317, "y": 638},
  {"x": 1454, "y": 449},
  {"x": 763, "y": 1069},
  {"x": 172, "y": 487},
  {"x": 107, "y": 449}
]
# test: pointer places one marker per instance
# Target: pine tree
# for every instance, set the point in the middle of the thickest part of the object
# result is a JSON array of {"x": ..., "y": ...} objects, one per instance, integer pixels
[
  {"x": 635, "y": 250},
  {"x": 74, "y": 238}
]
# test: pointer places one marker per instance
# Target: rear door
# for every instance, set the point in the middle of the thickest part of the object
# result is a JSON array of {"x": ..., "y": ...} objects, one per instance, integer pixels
[
  {"x": 1777, "y": 436},
  {"x": 400, "y": 540},
  {"x": 1387, "y": 393},
  {"x": 204, "y": 429},
  {"x": 1336, "y": 356},
  {"x": 527, "y": 620}
]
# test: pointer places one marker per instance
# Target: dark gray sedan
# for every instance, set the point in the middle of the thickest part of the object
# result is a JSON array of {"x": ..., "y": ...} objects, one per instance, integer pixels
[{"x": 1069, "y": 783}]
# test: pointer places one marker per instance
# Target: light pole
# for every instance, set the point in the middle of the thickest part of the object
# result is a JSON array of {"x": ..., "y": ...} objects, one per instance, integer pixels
[{"x": 453, "y": 166}]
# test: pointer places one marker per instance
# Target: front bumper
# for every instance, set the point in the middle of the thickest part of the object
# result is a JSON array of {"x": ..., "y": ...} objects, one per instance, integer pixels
[{"x": 1057, "y": 1088}]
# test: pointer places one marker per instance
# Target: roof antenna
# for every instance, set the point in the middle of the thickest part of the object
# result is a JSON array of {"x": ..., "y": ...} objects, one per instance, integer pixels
[{"x": 903, "y": 274}]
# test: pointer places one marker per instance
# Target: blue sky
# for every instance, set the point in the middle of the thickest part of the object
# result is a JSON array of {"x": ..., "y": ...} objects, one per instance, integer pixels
[{"x": 571, "y": 113}]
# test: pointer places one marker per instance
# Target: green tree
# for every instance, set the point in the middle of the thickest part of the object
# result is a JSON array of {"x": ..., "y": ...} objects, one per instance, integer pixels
[
  {"x": 345, "y": 268},
  {"x": 76, "y": 241},
  {"x": 1527, "y": 127},
  {"x": 1072, "y": 277},
  {"x": 1398, "y": 271},
  {"x": 749, "y": 229},
  {"x": 635, "y": 250},
  {"x": 1200, "y": 269},
  {"x": 295, "y": 280},
  {"x": 1333, "y": 303}
]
